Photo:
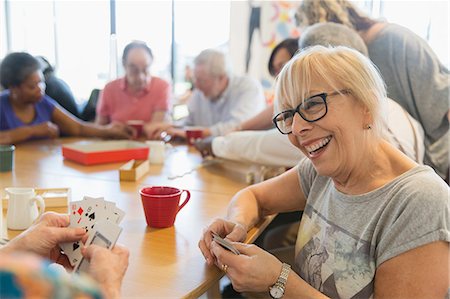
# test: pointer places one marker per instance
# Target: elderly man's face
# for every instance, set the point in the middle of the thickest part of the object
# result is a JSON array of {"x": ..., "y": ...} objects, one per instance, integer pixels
[
  {"x": 211, "y": 86},
  {"x": 137, "y": 67}
]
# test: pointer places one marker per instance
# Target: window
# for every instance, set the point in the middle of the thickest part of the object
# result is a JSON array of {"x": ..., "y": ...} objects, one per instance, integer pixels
[
  {"x": 430, "y": 20},
  {"x": 82, "y": 45},
  {"x": 148, "y": 21},
  {"x": 75, "y": 35},
  {"x": 198, "y": 25}
]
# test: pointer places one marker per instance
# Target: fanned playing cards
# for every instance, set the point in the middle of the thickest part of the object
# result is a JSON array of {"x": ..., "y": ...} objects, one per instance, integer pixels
[{"x": 99, "y": 218}]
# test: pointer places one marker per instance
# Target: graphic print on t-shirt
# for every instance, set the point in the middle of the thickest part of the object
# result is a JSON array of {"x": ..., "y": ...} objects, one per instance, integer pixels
[{"x": 332, "y": 260}]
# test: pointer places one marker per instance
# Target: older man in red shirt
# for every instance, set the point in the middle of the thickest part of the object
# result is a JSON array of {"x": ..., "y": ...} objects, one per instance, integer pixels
[{"x": 138, "y": 95}]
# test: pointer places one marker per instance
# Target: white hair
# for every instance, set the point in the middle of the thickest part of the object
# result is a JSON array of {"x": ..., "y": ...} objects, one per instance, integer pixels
[{"x": 215, "y": 61}]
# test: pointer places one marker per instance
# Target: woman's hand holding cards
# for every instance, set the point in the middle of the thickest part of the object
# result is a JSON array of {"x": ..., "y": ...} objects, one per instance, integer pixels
[
  {"x": 44, "y": 235},
  {"x": 225, "y": 229}
]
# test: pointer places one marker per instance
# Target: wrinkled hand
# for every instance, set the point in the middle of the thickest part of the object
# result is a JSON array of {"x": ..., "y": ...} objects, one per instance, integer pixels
[
  {"x": 44, "y": 236},
  {"x": 107, "y": 267},
  {"x": 227, "y": 230},
  {"x": 254, "y": 270},
  {"x": 46, "y": 129},
  {"x": 153, "y": 130},
  {"x": 204, "y": 146},
  {"x": 119, "y": 131}
]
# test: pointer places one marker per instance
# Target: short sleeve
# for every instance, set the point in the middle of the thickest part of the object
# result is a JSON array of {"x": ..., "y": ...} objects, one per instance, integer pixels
[
  {"x": 416, "y": 216},
  {"x": 44, "y": 109}
]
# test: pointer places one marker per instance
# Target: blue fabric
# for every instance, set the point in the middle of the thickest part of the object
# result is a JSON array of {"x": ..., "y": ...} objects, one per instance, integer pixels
[
  {"x": 9, "y": 120},
  {"x": 9, "y": 287}
]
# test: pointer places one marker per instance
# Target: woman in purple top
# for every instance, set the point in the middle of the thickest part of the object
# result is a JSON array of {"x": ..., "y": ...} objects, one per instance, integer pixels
[{"x": 26, "y": 113}]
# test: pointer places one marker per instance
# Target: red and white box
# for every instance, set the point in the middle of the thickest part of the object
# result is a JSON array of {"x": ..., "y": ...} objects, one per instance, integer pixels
[{"x": 101, "y": 152}]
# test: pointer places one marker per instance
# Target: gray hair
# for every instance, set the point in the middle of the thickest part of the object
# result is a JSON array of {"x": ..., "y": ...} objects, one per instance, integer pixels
[
  {"x": 215, "y": 61},
  {"x": 332, "y": 34}
]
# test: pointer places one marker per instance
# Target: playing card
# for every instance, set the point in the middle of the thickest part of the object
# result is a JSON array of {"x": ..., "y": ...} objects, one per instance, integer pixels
[
  {"x": 87, "y": 213},
  {"x": 224, "y": 243},
  {"x": 113, "y": 213},
  {"x": 116, "y": 216},
  {"x": 104, "y": 234},
  {"x": 83, "y": 214}
]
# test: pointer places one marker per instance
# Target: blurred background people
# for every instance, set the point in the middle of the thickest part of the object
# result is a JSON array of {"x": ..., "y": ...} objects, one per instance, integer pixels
[
  {"x": 138, "y": 95},
  {"x": 27, "y": 271},
  {"x": 415, "y": 77},
  {"x": 56, "y": 88},
  {"x": 220, "y": 100},
  {"x": 27, "y": 113}
]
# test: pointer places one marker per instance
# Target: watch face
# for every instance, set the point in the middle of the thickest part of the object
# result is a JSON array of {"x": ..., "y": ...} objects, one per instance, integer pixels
[{"x": 276, "y": 292}]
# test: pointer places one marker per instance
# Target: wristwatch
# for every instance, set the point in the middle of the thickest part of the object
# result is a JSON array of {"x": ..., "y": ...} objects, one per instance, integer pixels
[{"x": 277, "y": 290}]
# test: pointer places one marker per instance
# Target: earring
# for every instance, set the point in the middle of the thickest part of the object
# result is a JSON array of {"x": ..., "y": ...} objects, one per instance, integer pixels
[{"x": 368, "y": 127}]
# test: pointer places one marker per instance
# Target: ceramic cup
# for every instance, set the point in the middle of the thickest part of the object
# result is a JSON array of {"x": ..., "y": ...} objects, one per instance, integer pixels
[
  {"x": 6, "y": 157},
  {"x": 138, "y": 125},
  {"x": 157, "y": 151},
  {"x": 161, "y": 204},
  {"x": 23, "y": 207},
  {"x": 193, "y": 134}
]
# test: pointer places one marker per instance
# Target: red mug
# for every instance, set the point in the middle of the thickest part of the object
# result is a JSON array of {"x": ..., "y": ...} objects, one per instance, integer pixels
[
  {"x": 162, "y": 204},
  {"x": 193, "y": 134},
  {"x": 138, "y": 125}
]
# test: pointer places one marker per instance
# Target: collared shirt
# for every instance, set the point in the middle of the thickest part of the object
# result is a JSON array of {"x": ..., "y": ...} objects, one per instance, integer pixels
[
  {"x": 119, "y": 105},
  {"x": 242, "y": 99}
]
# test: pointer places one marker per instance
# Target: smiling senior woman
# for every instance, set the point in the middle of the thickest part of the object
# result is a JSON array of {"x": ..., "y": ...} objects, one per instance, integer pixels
[{"x": 375, "y": 223}]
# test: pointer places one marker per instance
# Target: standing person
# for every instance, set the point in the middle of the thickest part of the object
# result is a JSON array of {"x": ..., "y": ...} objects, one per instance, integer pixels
[
  {"x": 56, "y": 88},
  {"x": 220, "y": 100},
  {"x": 27, "y": 113},
  {"x": 375, "y": 223},
  {"x": 138, "y": 95},
  {"x": 415, "y": 77},
  {"x": 25, "y": 261}
]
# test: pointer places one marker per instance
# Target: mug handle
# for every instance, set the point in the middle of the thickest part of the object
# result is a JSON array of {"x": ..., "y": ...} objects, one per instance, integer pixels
[
  {"x": 188, "y": 196},
  {"x": 41, "y": 204}
]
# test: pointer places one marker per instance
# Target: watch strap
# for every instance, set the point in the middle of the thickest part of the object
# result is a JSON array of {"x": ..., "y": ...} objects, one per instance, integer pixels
[{"x": 282, "y": 279}]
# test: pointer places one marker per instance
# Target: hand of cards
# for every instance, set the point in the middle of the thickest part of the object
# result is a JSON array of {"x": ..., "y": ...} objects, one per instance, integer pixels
[
  {"x": 224, "y": 243},
  {"x": 100, "y": 219}
]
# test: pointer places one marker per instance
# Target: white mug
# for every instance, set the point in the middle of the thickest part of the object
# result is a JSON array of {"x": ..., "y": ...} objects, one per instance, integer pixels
[
  {"x": 22, "y": 208},
  {"x": 157, "y": 151}
]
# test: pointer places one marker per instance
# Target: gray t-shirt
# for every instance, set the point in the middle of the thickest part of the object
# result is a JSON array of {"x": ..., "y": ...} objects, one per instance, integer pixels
[
  {"x": 342, "y": 238},
  {"x": 420, "y": 83}
]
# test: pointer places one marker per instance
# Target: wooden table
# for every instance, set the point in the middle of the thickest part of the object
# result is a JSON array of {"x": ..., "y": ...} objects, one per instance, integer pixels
[{"x": 164, "y": 263}]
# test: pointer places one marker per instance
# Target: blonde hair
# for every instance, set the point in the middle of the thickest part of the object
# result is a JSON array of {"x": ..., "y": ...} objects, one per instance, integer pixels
[
  {"x": 337, "y": 11},
  {"x": 343, "y": 69}
]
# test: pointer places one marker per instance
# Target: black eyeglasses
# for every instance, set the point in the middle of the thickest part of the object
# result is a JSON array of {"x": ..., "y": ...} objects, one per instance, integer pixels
[{"x": 312, "y": 109}]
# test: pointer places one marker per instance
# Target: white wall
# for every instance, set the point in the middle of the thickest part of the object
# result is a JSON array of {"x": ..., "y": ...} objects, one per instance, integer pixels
[{"x": 276, "y": 23}]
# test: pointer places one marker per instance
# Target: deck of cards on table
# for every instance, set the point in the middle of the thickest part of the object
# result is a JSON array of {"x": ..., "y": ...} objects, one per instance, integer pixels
[{"x": 100, "y": 219}]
